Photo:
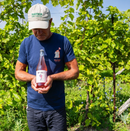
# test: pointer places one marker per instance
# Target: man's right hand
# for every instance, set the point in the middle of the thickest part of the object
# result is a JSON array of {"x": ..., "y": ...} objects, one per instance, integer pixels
[{"x": 33, "y": 84}]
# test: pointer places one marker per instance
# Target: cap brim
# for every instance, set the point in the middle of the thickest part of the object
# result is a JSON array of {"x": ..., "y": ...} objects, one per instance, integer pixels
[{"x": 38, "y": 24}]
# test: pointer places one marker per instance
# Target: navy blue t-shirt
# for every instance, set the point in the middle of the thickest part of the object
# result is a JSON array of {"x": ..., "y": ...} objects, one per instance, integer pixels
[{"x": 58, "y": 51}]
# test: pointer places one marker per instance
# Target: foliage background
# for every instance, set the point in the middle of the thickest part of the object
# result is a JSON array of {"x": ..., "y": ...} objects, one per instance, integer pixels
[{"x": 101, "y": 44}]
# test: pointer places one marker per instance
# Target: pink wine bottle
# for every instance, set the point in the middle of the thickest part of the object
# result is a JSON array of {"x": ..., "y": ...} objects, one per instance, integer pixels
[{"x": 41, "y": 71}]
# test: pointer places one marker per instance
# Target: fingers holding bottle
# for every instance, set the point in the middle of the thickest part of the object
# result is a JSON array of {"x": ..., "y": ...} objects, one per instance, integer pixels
[
  {"x": 47, "y": 86},
  {"x": 33, "y": 84}
]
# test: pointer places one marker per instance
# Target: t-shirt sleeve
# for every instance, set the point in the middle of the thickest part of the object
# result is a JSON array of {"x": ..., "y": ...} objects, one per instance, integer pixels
[
  {"x": 68, "y": 50},
  {"x": 22, "y": 53}
]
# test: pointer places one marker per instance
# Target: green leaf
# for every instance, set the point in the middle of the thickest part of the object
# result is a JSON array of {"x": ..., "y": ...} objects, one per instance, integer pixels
[
  {"x": 71, "y": 23},
  {"x": 63, "y": 18},
  {"x": 71, "y": 10},
  {"x": 17, "y": 98},
  {"x": 81, "y": 67},
  {"x": 80, "y": 119},
  {"x": 69, "y": 104},
  {"x": 100, "y": 67},
  {"x": 93, "y": 123},
  {"x": 1, "y": 59},
  {"x": 45, "y": 2},
  {"x": 87, "y": 122},
  {"x": 54, "y": 2},
  {"x": 113, "y": 45},
  {"x": 71, "y": 16}
]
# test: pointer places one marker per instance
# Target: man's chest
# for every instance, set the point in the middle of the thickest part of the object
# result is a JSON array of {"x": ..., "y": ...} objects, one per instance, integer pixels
[{"x": 54, "y": 57}]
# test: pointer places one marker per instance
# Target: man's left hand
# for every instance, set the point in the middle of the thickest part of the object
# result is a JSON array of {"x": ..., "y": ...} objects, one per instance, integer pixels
[{"x": 47, "y": 87}]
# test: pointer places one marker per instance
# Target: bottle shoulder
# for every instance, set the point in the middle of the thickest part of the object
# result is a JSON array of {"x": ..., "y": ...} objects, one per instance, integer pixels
[{"x": 41, "y": 64}]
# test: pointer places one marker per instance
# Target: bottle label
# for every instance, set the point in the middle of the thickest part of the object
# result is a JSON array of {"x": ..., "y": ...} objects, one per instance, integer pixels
[{"x": 41, "y": 76}]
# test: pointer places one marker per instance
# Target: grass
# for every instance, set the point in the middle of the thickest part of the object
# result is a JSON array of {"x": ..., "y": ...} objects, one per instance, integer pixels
[{"x": 78, "y": 97}]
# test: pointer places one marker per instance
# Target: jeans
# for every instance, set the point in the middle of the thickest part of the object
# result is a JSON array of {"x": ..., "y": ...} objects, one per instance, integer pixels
[{"x": 43, "y": 121}]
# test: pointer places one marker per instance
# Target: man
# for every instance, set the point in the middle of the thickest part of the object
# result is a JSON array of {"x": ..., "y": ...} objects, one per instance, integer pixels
[{"x": 46, "y": 106}]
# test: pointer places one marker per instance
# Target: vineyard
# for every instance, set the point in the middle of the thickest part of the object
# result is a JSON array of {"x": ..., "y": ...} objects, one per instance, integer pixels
[{"x": 102, "y": 47}]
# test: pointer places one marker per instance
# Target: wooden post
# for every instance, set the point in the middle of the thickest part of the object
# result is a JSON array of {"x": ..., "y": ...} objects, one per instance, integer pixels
[
  {"x": 114, "y": 88},
  {"x": 123, "y": 107}
]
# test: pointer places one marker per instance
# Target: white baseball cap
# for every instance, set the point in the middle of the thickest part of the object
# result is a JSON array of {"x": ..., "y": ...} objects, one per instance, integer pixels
[{"x": 39, "y": 16}]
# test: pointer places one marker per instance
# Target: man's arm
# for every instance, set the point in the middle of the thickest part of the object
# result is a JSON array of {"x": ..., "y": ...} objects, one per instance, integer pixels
[
  {"x": 71, "y": 73},
  {"x": 21, "y": 74}
]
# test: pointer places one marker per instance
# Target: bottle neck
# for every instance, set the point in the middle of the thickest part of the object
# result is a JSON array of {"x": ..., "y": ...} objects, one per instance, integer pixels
[
  {"x": 41, "y": 53},
  {"x": 41, "y": 57}
]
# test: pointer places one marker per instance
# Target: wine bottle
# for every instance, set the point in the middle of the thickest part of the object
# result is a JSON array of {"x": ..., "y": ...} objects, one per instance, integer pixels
[{"x": 41, "y": 71}]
